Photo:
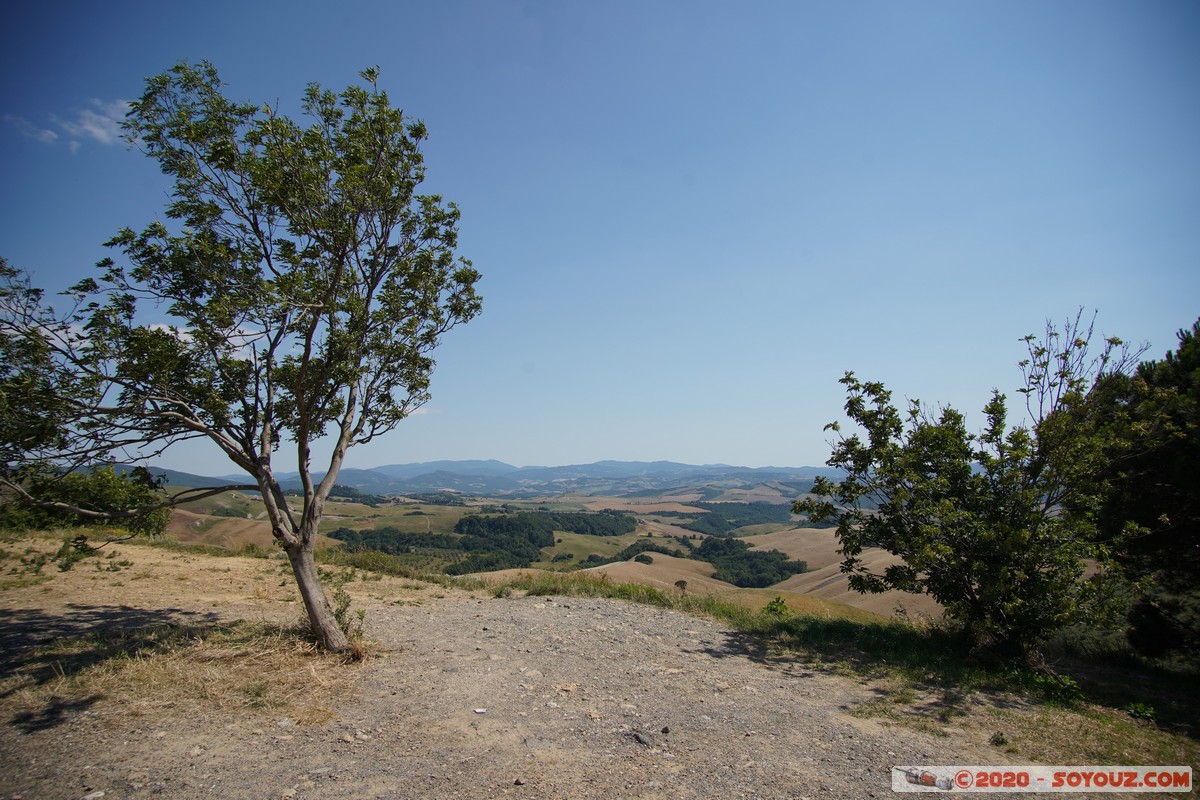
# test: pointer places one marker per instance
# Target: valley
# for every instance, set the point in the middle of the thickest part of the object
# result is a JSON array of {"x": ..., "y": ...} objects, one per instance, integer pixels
[{"x": 422, "y": 530}]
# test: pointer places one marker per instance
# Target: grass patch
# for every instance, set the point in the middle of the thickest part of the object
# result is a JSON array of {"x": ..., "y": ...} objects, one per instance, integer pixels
[
  {"x": 579, "y": 546},
  {"x": 1089, "y": 734},
  {"x": 398, "y": 565},
  {"x": 219, "y": 666},
  {"x": 22, "y": 580}
]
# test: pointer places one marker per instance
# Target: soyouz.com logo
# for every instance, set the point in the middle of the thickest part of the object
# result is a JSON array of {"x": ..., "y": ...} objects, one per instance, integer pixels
[{"x": 974, "y": 778}]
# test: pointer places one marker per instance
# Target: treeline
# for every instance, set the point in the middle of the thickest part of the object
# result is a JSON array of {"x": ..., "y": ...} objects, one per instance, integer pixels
[
  {"x": 735, "y": 562},
  {"x": 357, "y": 496},
  {"x": 604, "y": 523},
  {"x": 480, "y": 549},
  {"x": 508, "y": 541},
  {"x": 488, "y": 543},
  {"x": 721, "y": 519},
  {"x": 389, "y": 539}
]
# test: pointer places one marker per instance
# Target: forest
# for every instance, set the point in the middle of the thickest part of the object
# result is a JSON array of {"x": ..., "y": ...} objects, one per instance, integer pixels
[
  {"x": 722, "y": 519},
  {"x": 484, "y": 543}
]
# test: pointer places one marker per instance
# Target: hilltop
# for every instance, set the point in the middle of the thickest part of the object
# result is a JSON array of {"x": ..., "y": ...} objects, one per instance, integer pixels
[
  {"x": 465, "y": 696},
  {"x": 154, "y": 671}
]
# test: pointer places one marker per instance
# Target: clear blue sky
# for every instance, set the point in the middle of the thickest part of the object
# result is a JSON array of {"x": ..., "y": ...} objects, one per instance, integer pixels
[{"x": 691, "y": 217}]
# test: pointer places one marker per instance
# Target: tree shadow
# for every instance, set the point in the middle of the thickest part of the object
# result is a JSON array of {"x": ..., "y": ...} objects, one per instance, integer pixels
[
  {"x": 37, "y": 648},
  {"x": 939, "y": 662}
]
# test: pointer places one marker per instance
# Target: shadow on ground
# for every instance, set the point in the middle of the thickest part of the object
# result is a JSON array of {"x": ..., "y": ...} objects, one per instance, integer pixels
[
  {"x": 37, "y": 647},
  {"x": 937, "y": 664}
]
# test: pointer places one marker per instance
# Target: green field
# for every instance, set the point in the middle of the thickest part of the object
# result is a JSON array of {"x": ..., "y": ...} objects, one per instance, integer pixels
[{"x": 581, "y": 546}]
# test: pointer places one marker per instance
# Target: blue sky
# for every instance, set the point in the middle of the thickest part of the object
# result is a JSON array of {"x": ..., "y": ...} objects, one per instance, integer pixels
[{"x": 691, "y": 217}]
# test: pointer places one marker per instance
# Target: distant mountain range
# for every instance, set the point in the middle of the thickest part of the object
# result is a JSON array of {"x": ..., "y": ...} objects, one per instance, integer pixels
[{"x": 497, "y": 479}]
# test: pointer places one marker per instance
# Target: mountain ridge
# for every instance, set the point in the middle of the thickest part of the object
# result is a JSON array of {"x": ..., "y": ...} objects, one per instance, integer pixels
[{"x": 499, "y": 479}]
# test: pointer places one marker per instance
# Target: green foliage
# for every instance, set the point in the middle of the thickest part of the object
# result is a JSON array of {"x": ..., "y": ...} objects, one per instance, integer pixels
[
  {"x": 126, "y": 500},
  {"x": 721, "y": 519},
  {"x": 777, "y": 607},
  {"x": 736, "y": 563},
  {"x": 341, "y": 604},
  {"x": 508, "y": 541},
  {"x": 389, "y": 539},
  {"x": 357, "y": 496},
  {"x": 383, "y": 563},
  {"x": 648, "y": 546},
  {"x": 225, "y": 511},
  {"x": 1140, "y": 711},
  {"x": 995, "y": 526},
  {"x": 305, "y": 284},
  {"x": 71, "y": 552},
  {"x": 1153, "y": 418}
]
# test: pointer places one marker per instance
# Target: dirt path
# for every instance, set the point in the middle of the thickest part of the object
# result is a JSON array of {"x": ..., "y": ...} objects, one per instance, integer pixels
[{"x": 528, "y": 697}]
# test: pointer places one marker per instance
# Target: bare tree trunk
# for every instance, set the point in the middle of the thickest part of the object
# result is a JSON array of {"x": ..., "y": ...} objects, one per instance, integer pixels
[{"x": 325, "y": 626}]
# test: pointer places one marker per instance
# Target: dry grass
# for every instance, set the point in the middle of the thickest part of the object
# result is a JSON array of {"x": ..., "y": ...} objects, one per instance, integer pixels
[
  {"x": 193, "y": 668},
  {"x": 1087, "y": 734}
]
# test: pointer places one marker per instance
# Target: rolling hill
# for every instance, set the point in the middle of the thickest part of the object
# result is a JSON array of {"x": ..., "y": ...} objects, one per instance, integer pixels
[{"x": 497, "y": 479}]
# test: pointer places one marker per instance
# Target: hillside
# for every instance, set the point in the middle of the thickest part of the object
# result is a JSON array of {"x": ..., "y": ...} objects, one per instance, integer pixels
[
  {"x": 465, "y": 697},
  {"x": 155, "y": 672},
  {"x": 818, "y": 547}
]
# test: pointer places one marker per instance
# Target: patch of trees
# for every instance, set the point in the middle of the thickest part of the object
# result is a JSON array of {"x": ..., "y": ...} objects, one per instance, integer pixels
[
  {"x": 226, "y": 511},
  {"x": 1000, "y": 526},
  {"x": 438, "y": 498},
  {"x": 648, "y": 546},
  {"x": 721, "y": 519},
  {"x": 389, "y": 539},
  {"x": 508, "y": 541},
  {"x": 603, "y": 523},
  {"x": 1153, "y": 484},
  {"x": 129, "y": 500},
  {"x": 497, "y": 546},
  {"x": 357, "y": 496},
  {"x": 736, "y": 563}
]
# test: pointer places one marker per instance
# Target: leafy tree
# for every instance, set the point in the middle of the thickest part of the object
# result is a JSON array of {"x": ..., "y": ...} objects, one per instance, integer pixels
[
  {"x": 305, "y": 284},
  {"x": 996, "y": 526},
  {"x": 1152, "y": 481}
]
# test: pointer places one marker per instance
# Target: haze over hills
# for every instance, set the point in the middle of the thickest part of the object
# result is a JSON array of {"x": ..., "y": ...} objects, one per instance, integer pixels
[{"x": 498, "y": 479}]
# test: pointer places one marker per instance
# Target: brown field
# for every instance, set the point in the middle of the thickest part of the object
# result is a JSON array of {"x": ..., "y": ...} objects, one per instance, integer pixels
[
  {"x": 639, "y": 507},
  {"x": 818, "y": 547},
  {"x": 231, "y": 533},
  {"x": 759, "y": 493},
  {"x": 666, "y": 529},
  {"x": 664, "y": 572}
]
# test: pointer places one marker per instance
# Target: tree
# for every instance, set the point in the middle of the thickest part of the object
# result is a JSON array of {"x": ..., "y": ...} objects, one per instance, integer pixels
[
  {"x": 996, "y": 526},
  {"x": 305, "y": 286},
  {"x": 1151, "y": 480}
]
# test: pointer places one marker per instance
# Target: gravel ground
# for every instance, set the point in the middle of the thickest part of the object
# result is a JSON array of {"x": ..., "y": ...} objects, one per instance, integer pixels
[{"x": 522, "y": 697}]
